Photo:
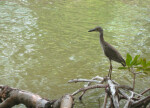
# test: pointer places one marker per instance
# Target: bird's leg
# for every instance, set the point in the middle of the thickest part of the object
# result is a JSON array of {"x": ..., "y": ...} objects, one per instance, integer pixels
[{"x": 110, "y": 69}]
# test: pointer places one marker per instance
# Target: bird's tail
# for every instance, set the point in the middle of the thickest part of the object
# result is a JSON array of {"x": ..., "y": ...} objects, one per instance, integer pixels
[{"x": 123, "y": 63}]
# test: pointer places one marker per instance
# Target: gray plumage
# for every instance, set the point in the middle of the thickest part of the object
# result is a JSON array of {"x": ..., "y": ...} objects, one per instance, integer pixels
[
  {"x": 113, "y": 54},
  {"x": 109, "y": 50}
]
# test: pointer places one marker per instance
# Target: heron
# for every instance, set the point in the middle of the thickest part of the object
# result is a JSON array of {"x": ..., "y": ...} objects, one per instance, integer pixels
[{"x": 110, "y": 52}]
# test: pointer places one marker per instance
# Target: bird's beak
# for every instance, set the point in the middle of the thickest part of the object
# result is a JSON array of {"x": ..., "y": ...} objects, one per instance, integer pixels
[{"x": 91, "y": 30}]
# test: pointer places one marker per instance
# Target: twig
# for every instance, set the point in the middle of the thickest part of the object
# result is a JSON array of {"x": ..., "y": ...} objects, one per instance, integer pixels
[
  {"x": 97, "y": 78},
  {"x": 89, "y": 83},
  {"x": 80, "y": 97},
  {"x": 90, "y": 87},
  {"x": 138, "y": 94},
  {"x": 145, "y": 91},
  {"x": 124, "y": 87},
  {"x": 83, "y": 80},
  {"x": 134, "y": 76},
  {"x": 105, "y": 100},
  {"x": 141, "y": 102}
]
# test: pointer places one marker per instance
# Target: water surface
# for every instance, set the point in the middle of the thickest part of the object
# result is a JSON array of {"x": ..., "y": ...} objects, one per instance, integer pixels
[{"x": 45, "y": 43}]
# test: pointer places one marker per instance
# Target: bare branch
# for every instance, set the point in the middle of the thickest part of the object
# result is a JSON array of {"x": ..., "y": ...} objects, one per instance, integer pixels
[
  {"x": 113, "y": 93},
  {"x": 129, "y": 102},
  {"x": 80, "y": 97},
  {"x": 124, "y": 87},
  {"x": 97, "y": 78},
  {"x": 105, "y": 100},
  {"x": 90, "y": 87},
  {"x": 83, "y": 80},
  {"x": 141, "y": 102},
  {"x": 125, "y": 96},
  {"x": 145, "y": 91}
]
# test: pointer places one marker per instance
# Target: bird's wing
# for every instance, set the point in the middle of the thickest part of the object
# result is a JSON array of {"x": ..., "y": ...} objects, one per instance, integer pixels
[{"x": 112, "y": 53}]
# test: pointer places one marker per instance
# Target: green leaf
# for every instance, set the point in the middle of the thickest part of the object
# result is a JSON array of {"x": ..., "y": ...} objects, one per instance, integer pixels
[
  {"x": 128, "y": 59},
  {"x": 139, "y": 68},
  {"x": 134, "y": 62},
  {"x": 148, "y": 63},
  {"x": 139, "y": 61}
]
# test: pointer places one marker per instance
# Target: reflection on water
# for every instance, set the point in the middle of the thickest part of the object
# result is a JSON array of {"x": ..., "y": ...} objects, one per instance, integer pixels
[{"x": 45, "y": 43}]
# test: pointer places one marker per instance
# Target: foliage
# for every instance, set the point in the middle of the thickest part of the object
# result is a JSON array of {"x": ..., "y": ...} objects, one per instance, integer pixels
[{"x": 141, "y": 64}]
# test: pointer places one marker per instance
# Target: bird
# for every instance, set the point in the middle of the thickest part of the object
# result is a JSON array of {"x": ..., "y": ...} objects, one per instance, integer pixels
[{"x": 110, "y": 52}]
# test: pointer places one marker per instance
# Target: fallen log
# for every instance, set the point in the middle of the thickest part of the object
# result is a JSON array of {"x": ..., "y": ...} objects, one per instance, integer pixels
[{"x": 10, "y": 97}]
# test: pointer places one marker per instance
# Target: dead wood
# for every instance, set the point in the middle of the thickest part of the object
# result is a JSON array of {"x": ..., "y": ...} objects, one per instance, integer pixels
[
  {"x": 67, "y": 102},
  {"x": 10, "y": 97},
  {"x": 115, "y": 92}
]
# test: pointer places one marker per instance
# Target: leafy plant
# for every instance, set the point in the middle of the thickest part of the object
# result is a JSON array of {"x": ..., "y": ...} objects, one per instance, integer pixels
[{"x": 136, "y": 62}]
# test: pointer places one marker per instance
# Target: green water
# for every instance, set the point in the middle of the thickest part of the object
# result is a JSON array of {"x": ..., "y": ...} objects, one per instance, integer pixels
[{"x": 45, "y": 43}]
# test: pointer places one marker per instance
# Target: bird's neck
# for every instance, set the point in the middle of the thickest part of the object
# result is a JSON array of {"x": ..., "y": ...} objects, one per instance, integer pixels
[{"x": 101, "y": 37}]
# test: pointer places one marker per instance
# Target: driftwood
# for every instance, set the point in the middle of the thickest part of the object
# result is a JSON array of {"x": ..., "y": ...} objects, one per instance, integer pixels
[
  {"x": 10, "y": 97},
  {"x": 115, "y": 92},
  {"x": 67, "y": 101},
  {"x": 64, "y": 102}
]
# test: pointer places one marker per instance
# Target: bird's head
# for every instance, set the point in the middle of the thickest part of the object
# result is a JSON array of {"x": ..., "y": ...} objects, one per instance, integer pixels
[{"x": 98, "y": 29}]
